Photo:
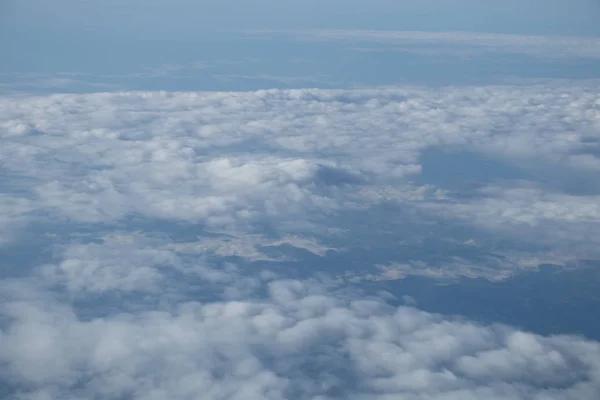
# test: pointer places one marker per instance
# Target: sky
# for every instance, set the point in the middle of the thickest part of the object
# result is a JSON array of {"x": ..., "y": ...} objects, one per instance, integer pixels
[
  {"x": 159, "y": 18},
  {"x": 87, "y": 46},
  {"x": 299, "y": 200}
]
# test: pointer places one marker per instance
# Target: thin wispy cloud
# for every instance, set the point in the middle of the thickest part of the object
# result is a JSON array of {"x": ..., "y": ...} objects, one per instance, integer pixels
[{"x": 453, "y": 42}]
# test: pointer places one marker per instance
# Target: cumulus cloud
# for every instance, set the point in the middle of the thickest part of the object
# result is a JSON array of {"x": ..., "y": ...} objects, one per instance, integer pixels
[
  {"x": 290, "y": 162},
  {"x": 117, "y": 262},
  {"x": 298, "y": 342},
  {"x": 122, "y": 264},
  {"x": 172, "y": 218}
]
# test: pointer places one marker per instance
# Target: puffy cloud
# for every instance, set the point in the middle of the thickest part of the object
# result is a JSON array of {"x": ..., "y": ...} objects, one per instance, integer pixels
[
  {"x": 138, "y": 263},
  {"x": 288, "y": 162},
  {"x": 116, "y": 263},
  {"x": 555, "y": 220},
  {"x": 124, "y": 264},
  {"x": 170, "y": 213},
  {"x": 298, "y": 342}
]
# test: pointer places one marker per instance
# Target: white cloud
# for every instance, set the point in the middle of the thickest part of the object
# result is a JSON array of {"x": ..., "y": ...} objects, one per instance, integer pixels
[
  {"x": 176, "y": 180},
  {"x": 533, "y": 205},
  {"x": 491, "y": 268},
  {"x": 557, "y": 220},
  {"x": 308, "y": 244},
  {"x": 291, "y": 159},
  {"x": 248, "y": 246},
  {"x": 300, "y": 342},
  {"x": 118, "y": 262},
  {"x": 245, "y": 247},
  {"x": 135, "y": 263}
]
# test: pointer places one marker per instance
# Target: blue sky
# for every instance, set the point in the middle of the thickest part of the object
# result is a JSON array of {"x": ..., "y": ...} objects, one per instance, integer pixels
[
  {"x": 116, "y": 41},
  {"x": 175, "y": 19}
]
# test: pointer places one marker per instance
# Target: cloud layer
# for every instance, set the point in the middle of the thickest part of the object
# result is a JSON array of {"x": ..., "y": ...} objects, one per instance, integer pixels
[
  {"x": 300, "y": 342},
  {"x": 196, "y": 244},
  {"x": 454, "y": 42},
  {"x": 291, "y": 162}
]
